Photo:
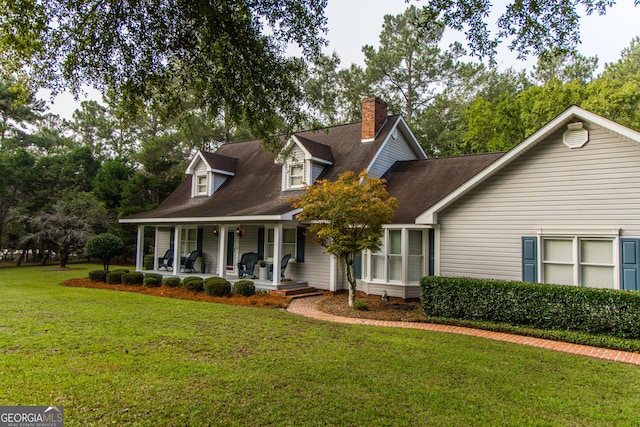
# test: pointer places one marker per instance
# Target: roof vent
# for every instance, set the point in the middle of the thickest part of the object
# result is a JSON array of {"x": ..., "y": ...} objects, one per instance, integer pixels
[{"x": 575, "y": 136}]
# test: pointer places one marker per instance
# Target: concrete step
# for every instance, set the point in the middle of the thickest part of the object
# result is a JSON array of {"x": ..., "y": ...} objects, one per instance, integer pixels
[
  {"x": 296, "y": 291},
  {"x": 310, "y": 294}
]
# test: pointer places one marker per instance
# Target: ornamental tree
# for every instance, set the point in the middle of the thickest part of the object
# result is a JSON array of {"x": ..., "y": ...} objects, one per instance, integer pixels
[
  {"x": 347, "y": 216},
  {"x": 104, "y": 247}
]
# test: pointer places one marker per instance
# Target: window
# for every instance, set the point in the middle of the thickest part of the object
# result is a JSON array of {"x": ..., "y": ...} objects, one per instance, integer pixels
[
  {"x": 579, "y": 261},
  {"x": 288, "y": 242},
  {"x": 394, "y": 256},
  {"x": 189, "y": 241},
  {"x": 201, "y": 185},
  {"x": 296, "y": 175}
]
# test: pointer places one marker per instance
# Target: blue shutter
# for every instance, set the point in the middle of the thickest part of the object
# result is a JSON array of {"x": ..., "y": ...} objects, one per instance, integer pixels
[
  {"x": 530, "y": 259},
  {"x": 432, "y": 252},
  {"x": 629, "y": 264},
  {"x": 300, "y": 244},
  {"x": 172, "y": 238},
  {"x": 261, "y": 242},
  {"x": 199, "y": 241},
  {"x": 357, "y": 264}
]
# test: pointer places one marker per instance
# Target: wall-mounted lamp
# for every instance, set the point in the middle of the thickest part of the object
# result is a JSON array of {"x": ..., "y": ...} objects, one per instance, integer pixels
[
  {"x": 238, "y": 232},
  {"x": 216, "y": 231}
]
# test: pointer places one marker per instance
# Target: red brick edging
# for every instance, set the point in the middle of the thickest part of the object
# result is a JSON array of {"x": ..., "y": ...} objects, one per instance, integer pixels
[{"x": 307, "y": 307}]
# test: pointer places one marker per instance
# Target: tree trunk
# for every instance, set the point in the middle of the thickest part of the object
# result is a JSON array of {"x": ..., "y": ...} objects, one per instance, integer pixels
[
  {"x": 351, "y": 278},
  {"x": 64, "y": 258}
]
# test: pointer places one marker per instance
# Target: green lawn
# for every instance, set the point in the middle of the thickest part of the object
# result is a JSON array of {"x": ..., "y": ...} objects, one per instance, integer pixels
[{"x": 118, "y": 358}]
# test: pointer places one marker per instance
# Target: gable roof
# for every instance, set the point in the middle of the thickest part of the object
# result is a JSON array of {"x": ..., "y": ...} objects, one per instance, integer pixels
[
  {"x": 419, "y": 184},
  {"x": 255, "y": 192},
  {"x": 571, "y": 114},
  {"x": 215, "y": 163}
]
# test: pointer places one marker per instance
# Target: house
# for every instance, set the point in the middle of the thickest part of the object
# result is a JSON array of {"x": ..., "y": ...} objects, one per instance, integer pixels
[
  {"x": 237, "y": 200},
  {"x": 561, "y": 207}
]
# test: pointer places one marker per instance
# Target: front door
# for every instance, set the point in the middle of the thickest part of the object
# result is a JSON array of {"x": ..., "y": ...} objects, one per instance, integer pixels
[{"x": 231, "y": 251}]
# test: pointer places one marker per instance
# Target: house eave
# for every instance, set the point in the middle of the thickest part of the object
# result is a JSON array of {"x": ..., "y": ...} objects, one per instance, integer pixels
[{"x": 287, "y": 216}]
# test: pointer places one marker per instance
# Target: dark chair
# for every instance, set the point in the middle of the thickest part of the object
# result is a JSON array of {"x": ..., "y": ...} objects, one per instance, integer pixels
[
  {"x": 283, "y": 267},
  {"x": 166, "y": 261},
  {"x": 247, "y": 263},
  {"x": 188, "y": 263}
]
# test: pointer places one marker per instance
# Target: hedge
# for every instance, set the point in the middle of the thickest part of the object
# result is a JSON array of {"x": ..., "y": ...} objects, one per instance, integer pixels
[
  {"x": 217, "y": 287},
  {"x": 171, "y": 282},
  {"x": 152, "y": 280},
  {"x": 115, "y": 277},
  {"x": 246, "y": 288},
  {"x": 98, "y": 275},
  {"x": 193, "y": 283},
  {"x": 134, "y": 278},
  {"x": 557, "y": 307}
]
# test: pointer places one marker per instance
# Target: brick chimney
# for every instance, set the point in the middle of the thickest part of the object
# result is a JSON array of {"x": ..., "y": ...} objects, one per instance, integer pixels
[{"x": 374, "y": 114}]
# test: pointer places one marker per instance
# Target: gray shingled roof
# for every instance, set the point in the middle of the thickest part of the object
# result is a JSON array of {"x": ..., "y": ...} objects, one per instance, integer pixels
[
  {"x": 419, "y": 184},
  {"x": 255, "y": 190}
]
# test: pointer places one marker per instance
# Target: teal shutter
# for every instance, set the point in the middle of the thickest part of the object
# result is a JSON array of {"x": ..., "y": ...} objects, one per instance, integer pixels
[
  {"x": 432, "y": 252},
  {"x": 199, "y": 241},
  {"x": 629, "y": 264},
  {"x": 357, "y": 264},
  {"x": 261, "y": 242},
  {"x": 300, "y": 245},
  {"x": 530, "y": 259},
  {"x": 172, "y": 238}
]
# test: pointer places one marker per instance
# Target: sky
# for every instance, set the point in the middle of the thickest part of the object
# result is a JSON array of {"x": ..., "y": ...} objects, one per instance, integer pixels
[{"x": 355, "y": 23}]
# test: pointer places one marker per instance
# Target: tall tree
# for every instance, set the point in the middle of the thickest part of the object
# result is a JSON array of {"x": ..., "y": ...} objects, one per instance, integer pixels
[
  {"x": 347, "y": 216},
  {"x": 533, "y": 27},
  {"x": 18, "y": 107},
  {"x": 409, "y": 68},
  {"x": 219, "y": 49},
  {"x": 564, "y": 66},
  {"x": 16, "y": 184}
]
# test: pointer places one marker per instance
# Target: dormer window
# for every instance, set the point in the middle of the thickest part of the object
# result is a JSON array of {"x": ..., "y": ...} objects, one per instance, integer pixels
[
  {"x": 201, "y": 185},
  {"x": 296, "y": 176}
]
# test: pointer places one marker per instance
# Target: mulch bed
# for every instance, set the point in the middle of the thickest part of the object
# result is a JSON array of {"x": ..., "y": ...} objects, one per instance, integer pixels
[{"x": 396, "y": 309}]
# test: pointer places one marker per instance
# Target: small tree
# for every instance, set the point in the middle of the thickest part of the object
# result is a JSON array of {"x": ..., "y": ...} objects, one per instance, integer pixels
[
  {"x": 347, "y": 216},
  {"x": 104, "y": 247}
]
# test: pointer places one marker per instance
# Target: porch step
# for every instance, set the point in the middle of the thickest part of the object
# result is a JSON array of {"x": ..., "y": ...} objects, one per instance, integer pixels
[{"x": 299, "y": 292}]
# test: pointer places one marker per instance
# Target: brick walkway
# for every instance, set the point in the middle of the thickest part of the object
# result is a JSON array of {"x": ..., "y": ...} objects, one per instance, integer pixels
[{"x": 307, "y": 307}]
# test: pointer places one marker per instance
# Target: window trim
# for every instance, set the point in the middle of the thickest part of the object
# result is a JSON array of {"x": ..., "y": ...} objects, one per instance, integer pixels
[
  {"x": 576, "y": 236},
  {"x": 385, "y": 255},
  {"x": 291, "y": 176},
  {"x": 198, "y": 185},
  {"x": 267, "y": 243}
]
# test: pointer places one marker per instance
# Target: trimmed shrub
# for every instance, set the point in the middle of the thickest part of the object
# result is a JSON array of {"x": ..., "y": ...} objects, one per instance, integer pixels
[
  {"x": 115, "y": 277},
  {"x": 104, "y": 246},
  {"x": 245, "y": 288},
  {"x": 152, "y": 280},
  {"x": 556, "y": 307},
  {"x": 193, "y": 283},
  {"x": 361, "y": 305},
  {"x": 98, "y": 275},
  {"x": 217, "y": 287},
  {"x": 134, "y": 278},
  {"x": 147, "y": 261},
  {"x": 171, "y": 282}
]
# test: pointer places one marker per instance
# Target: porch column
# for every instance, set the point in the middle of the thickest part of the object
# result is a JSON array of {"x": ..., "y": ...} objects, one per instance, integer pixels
[
  {"x": 222, "y": 251},
  {"x": 277, "y": 254},
  {"x": 405, "y": 256},
  {"x": 177, "y": 234},
  {"x": 140, "y": 248},
  {"x": 333, "y": 273}
]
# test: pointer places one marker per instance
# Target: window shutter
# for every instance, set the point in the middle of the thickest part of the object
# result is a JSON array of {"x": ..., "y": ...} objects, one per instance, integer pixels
[
  {"x": 629, "y": 264},
  {"x": 530, "y": 259},
  {"x": 432, "y": 252},
  {"x": 172, "y": 238},
  {"x": 261, "y": 242},
  {"x": 357, "y": 264},
  {"x": 300, "y": 245},
  {"x": 199, "y": 241}
]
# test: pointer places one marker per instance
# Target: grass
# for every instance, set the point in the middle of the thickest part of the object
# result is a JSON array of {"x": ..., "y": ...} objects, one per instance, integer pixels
[{"x": 130, "y": 359}]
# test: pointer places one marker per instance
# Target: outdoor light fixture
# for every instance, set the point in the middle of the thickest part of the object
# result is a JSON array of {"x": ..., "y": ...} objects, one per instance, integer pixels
[
  {"x": 215, "y": 230},
  {"x": 238, "y": 232}
]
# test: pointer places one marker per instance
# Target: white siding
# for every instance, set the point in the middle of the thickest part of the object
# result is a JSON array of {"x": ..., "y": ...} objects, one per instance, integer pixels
[
  {"x": 315, "y": 268},
  {"x": 162, "y": 242},
  {"x": 551, "y": 186},
  {"x": 393, "y": 150}
]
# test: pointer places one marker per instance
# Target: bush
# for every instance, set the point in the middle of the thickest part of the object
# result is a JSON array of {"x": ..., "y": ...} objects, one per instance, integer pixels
[
  {"x": 152, "y": 280},
  {"x": 98, "y": 275},
  {"x": 104, "y": 246},
  {"x": 217, "y": 287},
  {"x": 556, "y": 307},
  {"x": 361, "y": 305},
  {"x": 147, "y": 261},
  {"x": 246, "y": 288},
  {"x": 193, "y": 283},
  {"x": 134, "y": 278},
  {"x": 171, "y": 282},
  {"x": 115, "y": 277}
]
